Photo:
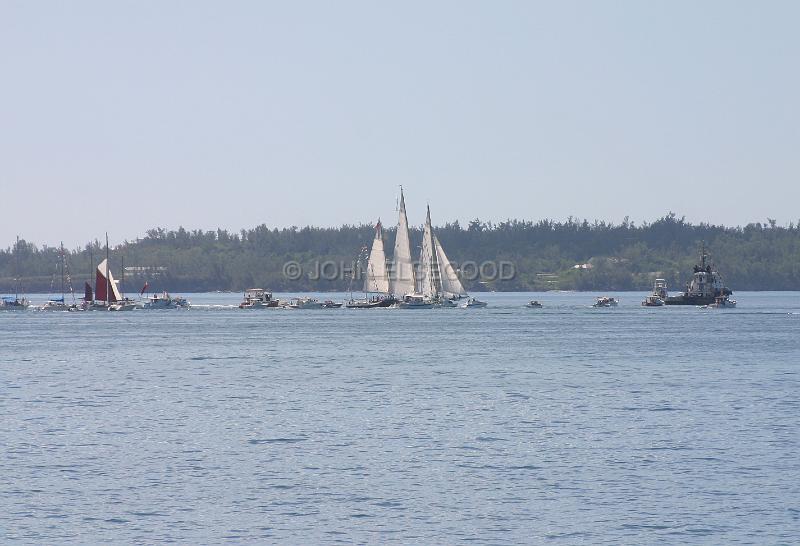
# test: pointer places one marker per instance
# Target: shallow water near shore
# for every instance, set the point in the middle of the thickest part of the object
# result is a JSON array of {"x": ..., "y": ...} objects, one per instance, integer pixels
[{"x": 503, "y": 425}]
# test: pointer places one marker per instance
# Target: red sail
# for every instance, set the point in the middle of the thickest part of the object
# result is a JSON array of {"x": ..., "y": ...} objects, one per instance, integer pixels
[{"x": 100, "y": 284}]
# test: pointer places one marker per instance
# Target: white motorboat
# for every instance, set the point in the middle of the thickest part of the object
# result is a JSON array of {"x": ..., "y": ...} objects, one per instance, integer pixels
[
  {"x": 534, "y": 304},
  {"x": 414, "y": 301},
  {"x": 58, "y": 304},
  {"x": 659, "y": 295},
  {"x": 123, "y": 305},
  {"x": 164, "y": 301},
  {"x": 721, "y": 302},
  {"x": 606, "y": 301},
  {"x": 258, "y": 298},
  {"x": 305, "y": 303},
  {"x": 473, "y": 303},
  {"x": 653, "y": 301}
]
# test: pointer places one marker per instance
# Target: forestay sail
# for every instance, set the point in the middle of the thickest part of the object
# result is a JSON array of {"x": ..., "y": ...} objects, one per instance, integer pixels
[
  {"x": 402, "y": 280},
  {"x": 377, "y": 279},
  {"x": 451, "y": 285},
  {"x": 430, "y": 282},
  {"x": 104, "y": 277}
]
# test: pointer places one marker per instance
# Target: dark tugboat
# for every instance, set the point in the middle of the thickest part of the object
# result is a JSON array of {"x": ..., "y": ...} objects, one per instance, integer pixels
[{"x": 705, "y": 287}]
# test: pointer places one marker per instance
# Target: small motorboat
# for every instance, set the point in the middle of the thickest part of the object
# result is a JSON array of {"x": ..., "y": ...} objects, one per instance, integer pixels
[
  {"x": 305, "y": 303},
  {"x": 473, "y": 303},
  {"x": 164, "y": 301},
  {"x": 653, "y": 300},
  {"x": 721, "y": 302},
  {"x": 328, "y": 304},
  {"x": 58, "y": 304},
  {"x": 659, "y": 295},
  {"x": 7, "y": 303},
  {"x": 123, "y": 305},
  {"x": 606, "y": 301},
  {"x": 534, "y": 304},
  {"x": 257, "y": 298},
  {"x": 414, "y": 301}
]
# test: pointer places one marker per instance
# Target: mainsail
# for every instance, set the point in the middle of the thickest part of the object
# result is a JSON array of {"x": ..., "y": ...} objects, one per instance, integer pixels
[
  {"x": 402, "y": 281},
  {"x": 430, "y": 281},
  {"x": 104, "y": 277},
  {"x": 377, "y": 276},
  {"x": 451, "y": 285}
]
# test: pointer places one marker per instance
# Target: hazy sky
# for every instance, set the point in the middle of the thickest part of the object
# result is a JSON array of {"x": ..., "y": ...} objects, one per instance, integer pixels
[{"x": 122, "y": 116}]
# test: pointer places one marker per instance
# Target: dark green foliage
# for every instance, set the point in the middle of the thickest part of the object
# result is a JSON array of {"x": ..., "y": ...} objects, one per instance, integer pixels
[{"x": 623, "y": 257}]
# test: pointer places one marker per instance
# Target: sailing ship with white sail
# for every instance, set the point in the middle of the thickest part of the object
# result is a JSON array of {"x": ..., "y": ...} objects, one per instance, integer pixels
[
  {"x": 438, "y": 280},
  {"x": 377, "y": 292}
]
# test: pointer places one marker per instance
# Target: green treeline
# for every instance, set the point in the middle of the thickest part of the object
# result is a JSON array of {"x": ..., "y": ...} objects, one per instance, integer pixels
[{"x": 544, "y": 253}]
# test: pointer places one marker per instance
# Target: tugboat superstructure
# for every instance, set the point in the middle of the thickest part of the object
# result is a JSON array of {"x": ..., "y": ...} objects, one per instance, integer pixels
[{"x": 704, "y": 288}]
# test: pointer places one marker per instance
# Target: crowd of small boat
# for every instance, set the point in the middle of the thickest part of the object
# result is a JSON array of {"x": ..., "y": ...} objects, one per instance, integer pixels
[{"x": 433, "y": 284}]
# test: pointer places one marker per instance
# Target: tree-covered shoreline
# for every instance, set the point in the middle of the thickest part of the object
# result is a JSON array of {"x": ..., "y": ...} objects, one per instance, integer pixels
[{"x": 545, "y": 253}]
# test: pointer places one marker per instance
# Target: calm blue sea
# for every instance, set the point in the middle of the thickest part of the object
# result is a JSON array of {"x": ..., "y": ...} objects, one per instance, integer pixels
[{"x": 503, "y": 425}]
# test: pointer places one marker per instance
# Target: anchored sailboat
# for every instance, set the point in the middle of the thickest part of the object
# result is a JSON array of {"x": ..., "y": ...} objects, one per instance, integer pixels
[
  {"x": 60, "y": 304},
  {"x": 16, "y": 303}
]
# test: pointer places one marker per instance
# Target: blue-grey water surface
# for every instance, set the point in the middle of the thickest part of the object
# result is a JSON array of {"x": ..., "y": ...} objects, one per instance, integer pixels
[{"x": 502, "y": 425}]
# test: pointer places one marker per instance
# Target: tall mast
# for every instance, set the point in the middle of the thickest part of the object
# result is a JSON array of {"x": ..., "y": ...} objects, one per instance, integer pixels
[
  {"x": 108, "y": 270},
  {"x": 16, "y": 270},
  {"x": 62, "y": 270},
  {"x": 122, "y": 280}
]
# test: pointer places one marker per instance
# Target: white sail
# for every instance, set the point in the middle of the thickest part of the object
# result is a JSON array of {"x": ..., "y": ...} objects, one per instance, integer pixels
[
  {"x": 403, "y": 279},
  {"x": 377, "y": 279},
  {"x": 451, "y": 285},
  {"x": 430, "y": 282}
]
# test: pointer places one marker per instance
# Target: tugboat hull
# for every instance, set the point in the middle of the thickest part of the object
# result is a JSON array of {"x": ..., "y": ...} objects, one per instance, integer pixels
[{"x": 683, "y": 299}]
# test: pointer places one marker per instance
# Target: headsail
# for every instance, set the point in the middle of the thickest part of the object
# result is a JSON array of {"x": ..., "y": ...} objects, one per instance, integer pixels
[
  {"x": 101, "y": 275},
  {"x": 377, "y": 275},
  {"x": 430, "y": 281},
  {"x": 451, "y": 285},
  {"x": 403, "y": 279},
  {"x": 87, "y": 292}
]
